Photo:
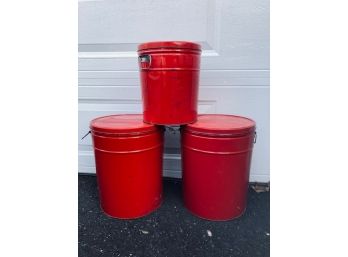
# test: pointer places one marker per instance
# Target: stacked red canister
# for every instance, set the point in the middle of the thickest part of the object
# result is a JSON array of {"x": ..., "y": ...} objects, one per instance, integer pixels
[
  {"x": 128, "y": 157},
  {"x": 169, "y": 73},
  {"x": 216, "y": 149}
]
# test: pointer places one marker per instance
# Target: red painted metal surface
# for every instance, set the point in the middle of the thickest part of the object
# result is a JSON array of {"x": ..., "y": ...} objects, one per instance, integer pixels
[
  {"x": 216, "y": 156},
  {"x": 128, "y": 157},
  {"x": 169, "y": 73}
]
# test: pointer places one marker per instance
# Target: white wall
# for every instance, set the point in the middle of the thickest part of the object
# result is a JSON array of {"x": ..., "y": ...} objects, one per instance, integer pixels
[{"x": 234, "y": 71}]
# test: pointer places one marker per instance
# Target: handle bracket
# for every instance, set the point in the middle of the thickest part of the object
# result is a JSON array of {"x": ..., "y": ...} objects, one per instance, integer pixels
[{"x": 144, "y": 61}]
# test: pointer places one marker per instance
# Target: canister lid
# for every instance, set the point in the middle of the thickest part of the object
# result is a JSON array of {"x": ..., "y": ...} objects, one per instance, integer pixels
[
  {"x": 222, "y": 125},
  {"x": 169, "y": 44},
  {"x": 121, "y": 124}
]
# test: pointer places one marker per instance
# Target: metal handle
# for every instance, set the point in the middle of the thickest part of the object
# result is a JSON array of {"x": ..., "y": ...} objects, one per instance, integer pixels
[
  {"x": 86, "y": 135},
  {"x": 144, "y": 61}
]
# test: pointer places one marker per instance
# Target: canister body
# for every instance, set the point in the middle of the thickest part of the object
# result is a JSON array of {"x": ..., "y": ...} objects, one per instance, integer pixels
[
  {"x": 169, "y": 82},
  {"x": 129, "y": 172},
  {"x": 216, "y": 174}
]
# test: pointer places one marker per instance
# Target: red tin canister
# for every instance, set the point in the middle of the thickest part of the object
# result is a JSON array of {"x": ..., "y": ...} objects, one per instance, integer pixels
[
  {"x": 128, "y": 157},
  {"x": 169, "y": 73},
  {"x": 216, "y": 153}
]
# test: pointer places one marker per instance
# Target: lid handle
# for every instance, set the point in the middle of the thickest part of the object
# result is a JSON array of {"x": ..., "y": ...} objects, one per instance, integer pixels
[{"x": 144, "y": 61}]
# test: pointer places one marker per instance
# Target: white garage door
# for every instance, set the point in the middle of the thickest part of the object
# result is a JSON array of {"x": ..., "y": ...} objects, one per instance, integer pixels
[{"x": 234, "y": 70}]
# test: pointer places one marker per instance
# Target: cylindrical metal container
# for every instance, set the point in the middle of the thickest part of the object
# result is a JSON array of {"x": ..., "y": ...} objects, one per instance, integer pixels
[
  {"x": 169, "y": 74},
  {"x": 128, "y": 157},
  {"x": 216, "y": 156}
]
